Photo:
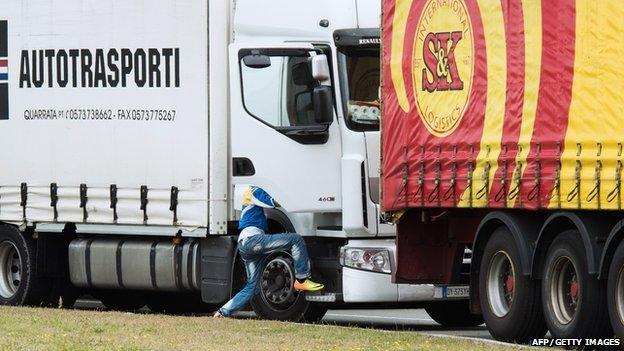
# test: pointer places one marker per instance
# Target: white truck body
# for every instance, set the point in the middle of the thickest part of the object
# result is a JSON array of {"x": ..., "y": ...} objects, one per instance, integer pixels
[
  {"x": 124, "y": 117},
  {"x": 102, "y": 127}
]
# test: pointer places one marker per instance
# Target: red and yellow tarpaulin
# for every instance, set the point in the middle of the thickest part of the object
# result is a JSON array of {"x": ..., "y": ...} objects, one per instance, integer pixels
[{"x": 502, "y": 103}]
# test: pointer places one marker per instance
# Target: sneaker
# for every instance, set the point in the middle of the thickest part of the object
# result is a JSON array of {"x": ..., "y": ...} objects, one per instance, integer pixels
[
  {"x": 308, "y": 285},
  {"x": 217, "y": 315}
]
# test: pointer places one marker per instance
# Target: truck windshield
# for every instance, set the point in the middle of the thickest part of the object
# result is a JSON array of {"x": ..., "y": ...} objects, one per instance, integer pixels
[{"x": 360, "y": 85}]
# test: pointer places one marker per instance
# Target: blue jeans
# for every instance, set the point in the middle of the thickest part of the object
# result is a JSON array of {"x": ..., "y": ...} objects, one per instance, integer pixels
[{"x": 253, "y": 250}]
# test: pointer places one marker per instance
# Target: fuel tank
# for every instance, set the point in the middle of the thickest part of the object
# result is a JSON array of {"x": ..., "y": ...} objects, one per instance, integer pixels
[{"x": 134, "y": 264}]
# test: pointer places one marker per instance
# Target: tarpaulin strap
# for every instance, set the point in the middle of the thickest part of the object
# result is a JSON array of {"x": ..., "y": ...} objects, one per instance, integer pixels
[
  {"x": 144, "y": 202},
  {"x": 595, "y": 192},
  {"x": 435, "y": 193},
  {"x": 83, "y": 201},
  {"x": 557, "y": 184},
  {"x": 485, "y": 190},
  {"x": 617, "y": 190},
  {"x": 173, "y": 204},
  {"x": 451, "y": 191},
  {"x": 24, "y": 199},
  {"x": 471, "y": 167},
  {"x": 536, "y": 190},
  {"x": 502, "y": 192},
  {"x": 576, "y": 191},
  {"x": 421, "y": 177},
  {"x": 113, "y": 201},
  {"x": 54, "y": 199}
]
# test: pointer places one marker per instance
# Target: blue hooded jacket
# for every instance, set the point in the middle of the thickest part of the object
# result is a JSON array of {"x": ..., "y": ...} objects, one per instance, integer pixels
[{"x": 254, "y": 200}]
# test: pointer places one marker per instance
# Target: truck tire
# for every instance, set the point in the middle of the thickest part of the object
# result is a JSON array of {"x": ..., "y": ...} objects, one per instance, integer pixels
[
  {"x": 19, "y": 284},
  {"x": 276, "y": 298},
  {"x": 510, "y": 300},
  {"x": 178, "y": 303},
  {"x": 120, "y": 300},
  {"x": 574, "y": 303},
  {"x": 615, "y": 291},
  {"x": 453, "y": 314}
]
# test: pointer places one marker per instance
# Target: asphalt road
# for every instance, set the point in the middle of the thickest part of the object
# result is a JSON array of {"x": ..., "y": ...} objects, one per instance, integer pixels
[
  {"x": 395, "y": 319},
  {"x": 401, "y": 319}
]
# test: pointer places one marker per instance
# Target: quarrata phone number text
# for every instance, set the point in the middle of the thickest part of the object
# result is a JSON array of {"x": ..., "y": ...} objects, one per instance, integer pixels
[{"x": 95, "y": 114}]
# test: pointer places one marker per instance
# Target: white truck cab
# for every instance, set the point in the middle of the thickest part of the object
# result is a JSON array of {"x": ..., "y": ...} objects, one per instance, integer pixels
[{"x": 325, "y": 173}]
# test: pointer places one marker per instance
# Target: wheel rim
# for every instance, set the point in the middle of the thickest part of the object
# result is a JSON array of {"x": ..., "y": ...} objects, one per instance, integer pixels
[
  {"x": 619, "y": 295},
  {"x": 277, "y": 289},
  {"x": 564, "y": 289},
  {"x": 10, "y": 269},
  {"x": 501, "y": 282}
]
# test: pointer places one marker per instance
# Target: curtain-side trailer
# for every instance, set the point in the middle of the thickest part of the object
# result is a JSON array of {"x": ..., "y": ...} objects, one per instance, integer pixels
[{"x": 502, "y": 132}]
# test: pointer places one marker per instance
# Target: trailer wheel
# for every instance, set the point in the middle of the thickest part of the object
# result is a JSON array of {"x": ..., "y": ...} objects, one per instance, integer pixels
[
  {"x": 278, "y": 300},
  {"x": 615, "y": 291},
  {"x": 574, "y": 302},
  {"x": 510, "y": 300},
  {"x": 19, "y": 284},
  {"x": 453, "y": 314},
  {"x": 120, "y": 300}
]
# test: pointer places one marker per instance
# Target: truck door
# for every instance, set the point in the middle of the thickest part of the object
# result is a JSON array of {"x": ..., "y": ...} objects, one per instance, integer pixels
[
  {"x": 359, "y": 72},
  {"x": 277, "y": 143}
]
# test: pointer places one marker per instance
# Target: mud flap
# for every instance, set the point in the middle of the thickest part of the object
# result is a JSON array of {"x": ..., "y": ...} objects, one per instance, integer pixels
[{"x": 217, "y": 259}]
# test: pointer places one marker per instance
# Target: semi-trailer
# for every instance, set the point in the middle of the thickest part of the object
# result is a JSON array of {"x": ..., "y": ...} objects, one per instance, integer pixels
[
  {"x": 502, "y": 132},
  {"x": 131, "y": 128}
]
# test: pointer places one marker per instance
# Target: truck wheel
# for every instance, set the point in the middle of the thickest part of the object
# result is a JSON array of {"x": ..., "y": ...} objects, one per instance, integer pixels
[
  {"x": 19, "y": 284},
  {"x": 278, "y": 300},
  {"x": 615, "y": 291},
  {"x": 510, "y": 300},
  {"x": 574, "y": 302},
  {"x": 453, "y": 314},
  {"x": 119, "y": 300}
]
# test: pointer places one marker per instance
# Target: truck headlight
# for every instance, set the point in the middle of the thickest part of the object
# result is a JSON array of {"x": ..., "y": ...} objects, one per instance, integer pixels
[{"x": 376, "y": 260}]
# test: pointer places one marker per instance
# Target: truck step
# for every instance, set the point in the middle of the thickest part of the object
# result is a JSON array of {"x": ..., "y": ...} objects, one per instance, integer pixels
[{"x": 330, "y": 297}]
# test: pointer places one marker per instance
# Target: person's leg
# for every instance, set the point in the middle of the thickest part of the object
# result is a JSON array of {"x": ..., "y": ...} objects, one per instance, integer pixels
[
  {"x": 252, "y": 266},
  {"x": 267, "y": 244}
]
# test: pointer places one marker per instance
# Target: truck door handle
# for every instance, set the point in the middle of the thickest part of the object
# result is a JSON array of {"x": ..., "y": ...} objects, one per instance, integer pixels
[{"x": 242, "y": 167}]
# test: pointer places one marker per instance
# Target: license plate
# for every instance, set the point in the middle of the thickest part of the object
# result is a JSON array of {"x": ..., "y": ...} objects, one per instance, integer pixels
[{"x": 445, "y": 292}]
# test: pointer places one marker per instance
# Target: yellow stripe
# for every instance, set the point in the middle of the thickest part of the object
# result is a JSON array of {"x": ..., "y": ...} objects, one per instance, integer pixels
[
  {"x": 597, "y": 108},
  {"x": 494, "y": 30},
  {"x": 399, "y": 26},
  {"x": 532, "y": 13}
]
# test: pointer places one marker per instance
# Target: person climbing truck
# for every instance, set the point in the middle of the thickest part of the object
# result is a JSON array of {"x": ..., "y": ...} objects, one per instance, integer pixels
[{"x": 254, "y": 245}]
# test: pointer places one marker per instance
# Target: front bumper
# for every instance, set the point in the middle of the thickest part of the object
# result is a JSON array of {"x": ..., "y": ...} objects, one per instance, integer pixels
[
  {"x": 370, "y": 287},
  {"x": 367, "y": 286}
]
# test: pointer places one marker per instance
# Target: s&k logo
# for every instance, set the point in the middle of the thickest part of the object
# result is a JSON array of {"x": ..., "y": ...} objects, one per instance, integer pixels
[
  {"x": 440, "y": 62},
  {"x": 443, "y": 65}
]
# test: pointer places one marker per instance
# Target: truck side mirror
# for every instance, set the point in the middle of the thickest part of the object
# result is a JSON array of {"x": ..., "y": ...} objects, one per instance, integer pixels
[
  {"x": 323, "y": 105},
  {"x": 256, "y": 60},
  {"x": 320, "y": 68}
]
